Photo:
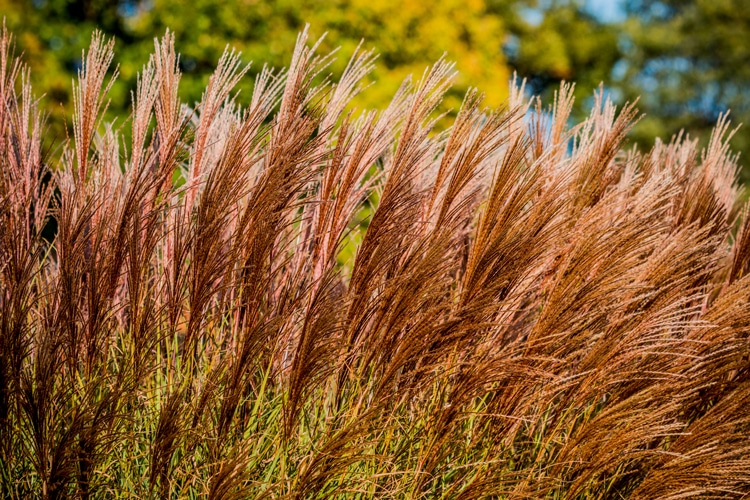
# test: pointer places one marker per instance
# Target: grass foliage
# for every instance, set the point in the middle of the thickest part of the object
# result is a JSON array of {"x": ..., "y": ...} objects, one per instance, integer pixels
[{"x": 190, "y": 305}]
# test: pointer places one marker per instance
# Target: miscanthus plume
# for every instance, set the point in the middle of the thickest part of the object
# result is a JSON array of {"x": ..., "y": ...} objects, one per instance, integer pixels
[{"x": 294, "y": 299}]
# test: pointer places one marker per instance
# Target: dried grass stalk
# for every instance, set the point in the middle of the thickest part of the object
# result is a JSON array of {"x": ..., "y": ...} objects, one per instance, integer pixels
[{"x": 295, "y": 299}]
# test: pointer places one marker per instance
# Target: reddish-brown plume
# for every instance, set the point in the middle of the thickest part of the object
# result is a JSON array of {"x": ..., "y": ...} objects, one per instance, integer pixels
[{"x": 298, "y": 299}]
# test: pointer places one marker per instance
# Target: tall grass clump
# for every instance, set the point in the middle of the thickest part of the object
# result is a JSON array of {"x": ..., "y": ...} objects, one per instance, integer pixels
[{"x": 191, "y": 306}]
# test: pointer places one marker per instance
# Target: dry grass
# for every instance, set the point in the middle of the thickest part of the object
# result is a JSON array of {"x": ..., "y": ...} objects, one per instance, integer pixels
[{"x": 533, "y": 311}]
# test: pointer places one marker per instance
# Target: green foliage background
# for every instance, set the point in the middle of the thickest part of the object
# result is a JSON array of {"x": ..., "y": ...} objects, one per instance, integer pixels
[
  {"x": 408, "y": 36},
  {"x": 685, "y": 59}
]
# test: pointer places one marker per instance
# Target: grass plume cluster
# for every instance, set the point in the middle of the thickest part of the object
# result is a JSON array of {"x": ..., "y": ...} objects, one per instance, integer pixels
[{"x": 533, "y": 310}]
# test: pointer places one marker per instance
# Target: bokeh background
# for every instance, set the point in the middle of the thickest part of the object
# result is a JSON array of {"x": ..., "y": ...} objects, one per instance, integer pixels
[{"x": 688, "y": 60}]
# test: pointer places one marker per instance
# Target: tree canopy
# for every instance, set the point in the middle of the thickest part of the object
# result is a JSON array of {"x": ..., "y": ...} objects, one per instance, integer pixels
[
  {"x": 688, "y": 62},
  {"x": 407, "y": 36},
  {"x": 684, "y": 59}
]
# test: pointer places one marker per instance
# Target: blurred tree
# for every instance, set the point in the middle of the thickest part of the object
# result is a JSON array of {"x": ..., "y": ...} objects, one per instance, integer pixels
[
  {"x": 52, "y": 33},
  {"x": 685, "y": 59},
  {"x": 554, "y": 40},
  {"x": 408, "y": 36},
  {"x": 688, "y": 59}
]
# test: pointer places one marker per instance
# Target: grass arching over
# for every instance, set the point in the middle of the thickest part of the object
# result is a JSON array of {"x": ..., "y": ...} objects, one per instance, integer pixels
[{"x": 521, "y": 318}]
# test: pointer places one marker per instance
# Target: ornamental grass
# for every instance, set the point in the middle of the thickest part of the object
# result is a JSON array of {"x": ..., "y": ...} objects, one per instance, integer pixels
[{"x": 297, "y": 299}]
